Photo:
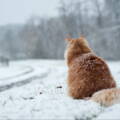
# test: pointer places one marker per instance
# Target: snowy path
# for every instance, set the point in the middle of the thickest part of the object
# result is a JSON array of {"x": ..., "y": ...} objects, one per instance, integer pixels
[{"x": 37, "y": 90}]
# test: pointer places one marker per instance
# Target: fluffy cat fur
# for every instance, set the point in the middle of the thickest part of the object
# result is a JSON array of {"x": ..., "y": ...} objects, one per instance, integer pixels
[
  {"x": 87, "y": 73},
  {"x": 107, "y": 97}
]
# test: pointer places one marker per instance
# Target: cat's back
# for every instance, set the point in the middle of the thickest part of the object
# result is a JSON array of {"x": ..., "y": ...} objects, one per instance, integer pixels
[
  {"x": 90, "y": 64},
  {"x": 89, "y": 73}
]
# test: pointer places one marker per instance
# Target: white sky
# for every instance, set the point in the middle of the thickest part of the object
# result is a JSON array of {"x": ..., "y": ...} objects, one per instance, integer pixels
[{"x": 18, "y": 11}]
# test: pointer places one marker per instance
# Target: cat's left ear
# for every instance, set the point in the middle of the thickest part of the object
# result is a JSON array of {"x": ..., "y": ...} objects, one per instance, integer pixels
[{"x": 68, "y": 38}]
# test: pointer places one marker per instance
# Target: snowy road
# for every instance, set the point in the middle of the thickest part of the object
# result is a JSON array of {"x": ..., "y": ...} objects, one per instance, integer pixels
[{"x": 36, "y": 89}]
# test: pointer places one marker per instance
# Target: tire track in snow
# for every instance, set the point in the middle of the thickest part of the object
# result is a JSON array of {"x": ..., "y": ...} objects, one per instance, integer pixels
[
  {"x": 23, "y": 82},
  {"x": 30, "y": 70}
]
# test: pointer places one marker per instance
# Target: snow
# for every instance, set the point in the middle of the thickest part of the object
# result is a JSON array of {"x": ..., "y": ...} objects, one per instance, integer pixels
[
  {"x": 36, "y": 89},
  {"x": 112, "y": 113}
]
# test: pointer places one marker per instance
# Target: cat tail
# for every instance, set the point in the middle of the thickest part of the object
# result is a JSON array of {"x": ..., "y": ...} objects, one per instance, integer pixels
[{"x": 107, "y": 97}]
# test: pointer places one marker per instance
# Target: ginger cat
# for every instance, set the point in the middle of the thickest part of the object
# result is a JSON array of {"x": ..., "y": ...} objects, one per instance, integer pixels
[{"x": 87, "y": 73}]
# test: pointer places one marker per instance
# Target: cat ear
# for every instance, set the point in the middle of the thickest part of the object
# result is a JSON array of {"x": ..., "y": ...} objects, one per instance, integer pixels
[
  {"x": 68, "y": 38},
  {"x": 82, "y": 37}
]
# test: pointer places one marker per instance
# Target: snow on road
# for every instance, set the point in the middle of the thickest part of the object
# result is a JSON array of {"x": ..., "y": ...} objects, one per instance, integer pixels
[{"x": 36, "y": 89}]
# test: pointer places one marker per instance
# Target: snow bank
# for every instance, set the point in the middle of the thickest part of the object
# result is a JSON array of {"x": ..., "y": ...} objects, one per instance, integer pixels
[{"x": 44, "y": 96}]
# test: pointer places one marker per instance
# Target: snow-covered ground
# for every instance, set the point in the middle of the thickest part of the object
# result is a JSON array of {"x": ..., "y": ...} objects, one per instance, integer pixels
[{"x": 36, "y": 89}]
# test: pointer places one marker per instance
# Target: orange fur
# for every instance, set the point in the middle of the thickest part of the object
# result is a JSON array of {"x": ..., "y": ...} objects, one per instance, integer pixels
[
  {"x": 87, "y": 73},
  {"x": 107, "y": 97}
]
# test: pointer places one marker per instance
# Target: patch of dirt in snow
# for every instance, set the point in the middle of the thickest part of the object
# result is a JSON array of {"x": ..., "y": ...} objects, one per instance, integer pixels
[{"x": 41, "y": 94}]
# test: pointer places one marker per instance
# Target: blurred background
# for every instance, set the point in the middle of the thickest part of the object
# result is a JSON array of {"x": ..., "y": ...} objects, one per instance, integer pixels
[{"x": 36, "y": 29}]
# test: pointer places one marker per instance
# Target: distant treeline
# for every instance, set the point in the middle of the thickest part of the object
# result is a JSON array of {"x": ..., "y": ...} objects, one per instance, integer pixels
[{"x": 98, "y": 20}]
